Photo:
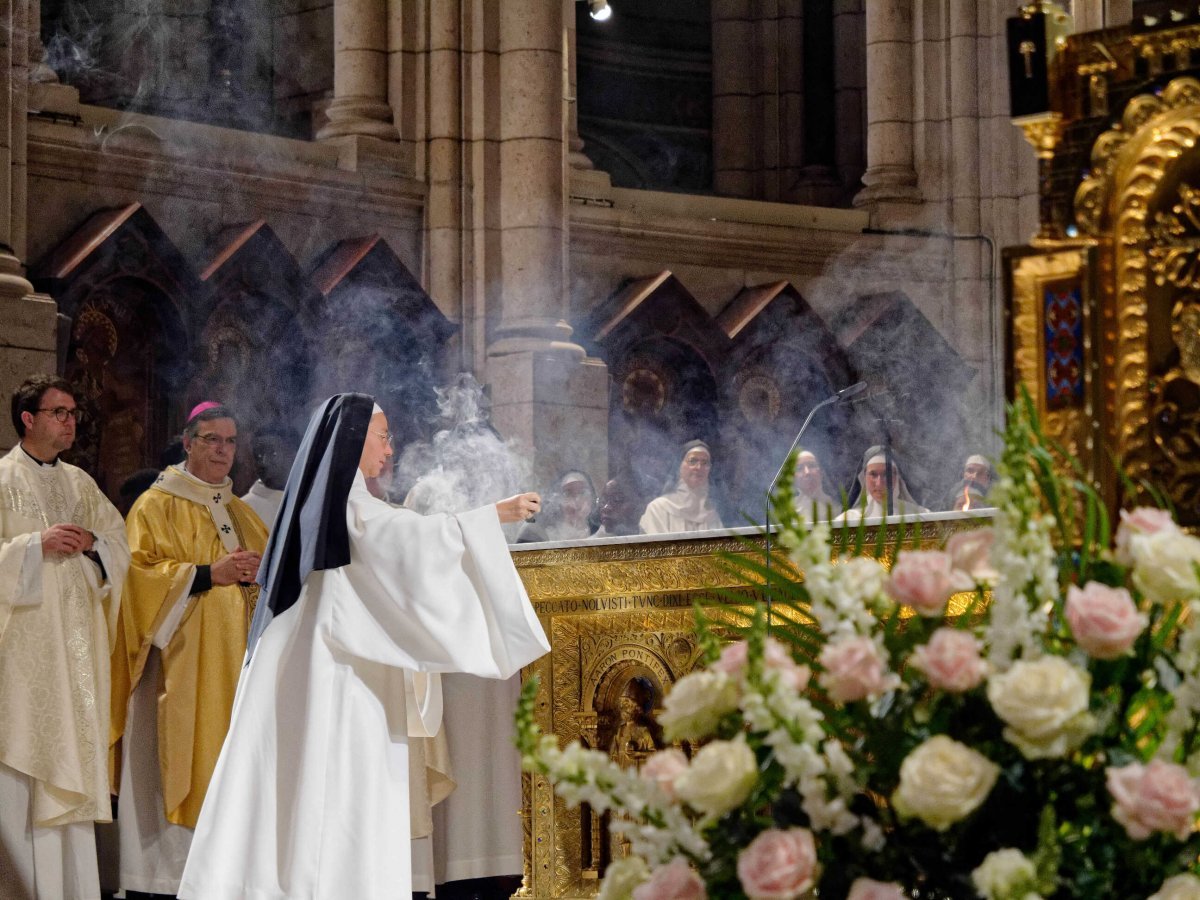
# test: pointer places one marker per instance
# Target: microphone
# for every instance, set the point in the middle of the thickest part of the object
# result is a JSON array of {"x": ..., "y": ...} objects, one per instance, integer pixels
[
  {"x": 842, "y": 396},
  {"x": 847, "y": 392}
]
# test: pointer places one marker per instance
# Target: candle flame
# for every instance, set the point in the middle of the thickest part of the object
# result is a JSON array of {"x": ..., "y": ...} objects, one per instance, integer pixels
[{"x": 966, "y": 498}]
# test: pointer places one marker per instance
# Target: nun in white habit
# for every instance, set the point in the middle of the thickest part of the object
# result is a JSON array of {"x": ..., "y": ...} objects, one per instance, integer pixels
[
  {"x": 871, "y": 502},
  {"x": 687, "y": 506},
  {"x": 360, "y": 601},
  {"x": 809, "y": 498}
]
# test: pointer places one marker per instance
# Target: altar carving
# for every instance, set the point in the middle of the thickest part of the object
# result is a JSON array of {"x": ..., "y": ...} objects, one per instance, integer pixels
[{"x": 619, "y": 616}]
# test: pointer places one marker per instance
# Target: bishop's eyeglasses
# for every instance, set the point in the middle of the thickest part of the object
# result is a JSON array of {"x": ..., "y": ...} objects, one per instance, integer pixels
[
  {"x": 62, "y": 413},
  {"x": 215, "y": 440},
  {"x": 388, "y": 437}
]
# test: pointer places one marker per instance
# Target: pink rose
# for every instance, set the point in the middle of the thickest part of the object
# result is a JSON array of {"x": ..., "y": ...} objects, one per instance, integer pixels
[
  {"x": 970, "y": 552},
  {"x": 951, "y": 660},
  {"x": 733, "y": 658},
  {"x": 924, "y": 580},
  {"x": 674, "y": 881},
  {"x": 778, "y": 865},
  {"x": 1160, "y": 796},
  {"x": 776, "y": 658},
  {"x": 1139, "y": 521},
  {"x": 1104, "y": 620},
  {"x": 869, "y": 889},
  {"x": 663, "y": 767},
  {"x": 854, "y": 670}
]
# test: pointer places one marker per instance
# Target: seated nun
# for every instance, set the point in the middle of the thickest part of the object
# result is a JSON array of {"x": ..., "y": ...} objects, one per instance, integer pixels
[
  {"x": 685, "y": 505},
  {"x": 811, "y": 502},
  {"x": 568, "y": 511},
  {"x": 870, "y": 502}
]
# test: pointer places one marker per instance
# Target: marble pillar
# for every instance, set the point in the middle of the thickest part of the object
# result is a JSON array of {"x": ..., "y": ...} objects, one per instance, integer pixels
[
  {"x": 360, "y": 72},
  {"x": 890, "y": 175}
]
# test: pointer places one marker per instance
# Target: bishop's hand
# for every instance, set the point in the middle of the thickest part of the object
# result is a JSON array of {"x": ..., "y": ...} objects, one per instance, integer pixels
[
  {"x": 518, "y": 508},
  {"x": 238, "y": 566}
]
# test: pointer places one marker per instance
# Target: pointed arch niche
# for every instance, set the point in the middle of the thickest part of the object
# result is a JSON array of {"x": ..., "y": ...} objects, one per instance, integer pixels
[{"x": 122, "y": 286}]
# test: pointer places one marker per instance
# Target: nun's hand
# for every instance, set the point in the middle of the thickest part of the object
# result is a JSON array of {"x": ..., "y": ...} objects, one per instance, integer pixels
[{"x": 518, "y": 508}]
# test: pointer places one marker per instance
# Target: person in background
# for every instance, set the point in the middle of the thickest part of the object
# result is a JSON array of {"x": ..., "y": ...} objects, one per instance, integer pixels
[
  {"x": 568, "y": 511},
  {"x": 63, "y": 559},
  {"x": 273, "y": 448},
  {"x": 966, "y": 497},
  {"x": 978, "y": 471},
  {"x": 180, "y": 645},
  {"x": 133, "y": 487},
  {"x": 685, "y": 505},
  {"x": 871, "y": 499},
  {"x": 811, "y": 502},
  {"x": 619, "y": 509}
]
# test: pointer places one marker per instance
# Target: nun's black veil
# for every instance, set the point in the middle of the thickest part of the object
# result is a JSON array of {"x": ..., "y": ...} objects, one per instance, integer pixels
[{"x": 310, "y": 531}]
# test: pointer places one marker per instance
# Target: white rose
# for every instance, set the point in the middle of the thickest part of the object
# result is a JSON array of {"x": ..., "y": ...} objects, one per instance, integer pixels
[
  {"x": 943, "y": 781},
  {"x": 1164, "y": 565},
  {"x": 1004, "y": 874},
  {"x": 621, "y": 876},
  {"x": 1045, "y": 704},
  {"x": 720, "y": 777},
  {"x": 1179, "y": 887},
  {"x": 696, "y": 705}
]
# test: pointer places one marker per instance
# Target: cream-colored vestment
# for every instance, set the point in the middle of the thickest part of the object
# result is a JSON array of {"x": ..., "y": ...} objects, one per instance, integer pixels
[{"x": 57, "y": 618}]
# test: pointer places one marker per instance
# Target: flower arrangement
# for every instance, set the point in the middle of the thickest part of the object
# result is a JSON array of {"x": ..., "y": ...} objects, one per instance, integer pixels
[{"x": 869, "y": 738}]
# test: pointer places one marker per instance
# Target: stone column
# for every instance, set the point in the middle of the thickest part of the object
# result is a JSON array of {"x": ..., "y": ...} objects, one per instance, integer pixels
[
  {"x": 529, "y": 199},
  {"x": 890, "y": 174},
  {"x": 544, "y": 390},
  {"x": 850, "y": 86},
  {"x": 360, "y": 72},
  {"x": 575, "y": 156},
  {"x": 28, "y": 322},
  {"x": 1092, "y": 15},
  {"x": 39, "y": 72},
  {"x": 734, "y": 85}
]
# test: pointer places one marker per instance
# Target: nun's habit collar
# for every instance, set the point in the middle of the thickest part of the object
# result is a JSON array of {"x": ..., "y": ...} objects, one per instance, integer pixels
[{"x": 310, "y": 532}]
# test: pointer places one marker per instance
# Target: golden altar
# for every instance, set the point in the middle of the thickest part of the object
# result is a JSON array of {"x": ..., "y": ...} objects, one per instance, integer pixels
[{"x": 619, "y": 616}]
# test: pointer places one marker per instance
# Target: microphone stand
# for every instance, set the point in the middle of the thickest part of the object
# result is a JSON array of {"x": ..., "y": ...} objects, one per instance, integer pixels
[{"x": 844, "y": 394}]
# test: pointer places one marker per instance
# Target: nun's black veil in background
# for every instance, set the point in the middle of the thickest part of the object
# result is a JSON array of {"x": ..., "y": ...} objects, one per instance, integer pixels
[{"x": 310, "y": 531}]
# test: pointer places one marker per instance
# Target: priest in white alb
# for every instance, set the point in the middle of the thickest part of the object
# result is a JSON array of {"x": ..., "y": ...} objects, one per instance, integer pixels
[
  {"x": 361, "y": 600},
  {"x": 63, "y": 557}
]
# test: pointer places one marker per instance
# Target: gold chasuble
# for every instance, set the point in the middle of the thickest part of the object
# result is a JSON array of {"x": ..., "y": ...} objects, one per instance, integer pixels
[{"x": 177, "y": 525}]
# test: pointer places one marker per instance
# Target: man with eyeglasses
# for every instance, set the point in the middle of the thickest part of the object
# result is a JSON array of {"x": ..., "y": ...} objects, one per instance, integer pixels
[
  {"x": 185, "y": 616},
  {"x": 63, "y": 558}
]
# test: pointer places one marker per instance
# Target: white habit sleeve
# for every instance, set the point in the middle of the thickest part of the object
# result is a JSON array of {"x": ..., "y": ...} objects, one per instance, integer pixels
[{"x": 432, "y": 593}]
